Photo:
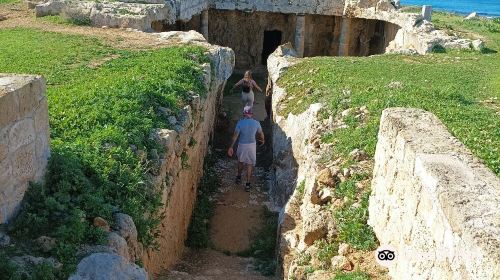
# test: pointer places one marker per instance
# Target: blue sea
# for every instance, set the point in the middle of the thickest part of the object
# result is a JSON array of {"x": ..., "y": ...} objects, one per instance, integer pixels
[{"x": 489, "y": 8}]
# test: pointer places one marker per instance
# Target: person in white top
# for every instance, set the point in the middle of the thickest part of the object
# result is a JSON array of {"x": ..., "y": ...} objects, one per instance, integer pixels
[{"x": 247, "y": 86}]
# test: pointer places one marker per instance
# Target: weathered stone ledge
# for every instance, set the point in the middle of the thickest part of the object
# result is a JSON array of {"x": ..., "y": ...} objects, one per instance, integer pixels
[
  {"x": 433, "y": 201},
  {"x": 24, "y": 138},
  {"x": 180, "y": 167}
]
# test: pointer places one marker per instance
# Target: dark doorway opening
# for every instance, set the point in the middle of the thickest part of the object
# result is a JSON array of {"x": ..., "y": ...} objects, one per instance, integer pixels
[
  {"x": 272, "y": 40},
  {"x": 377, "y": 42}
]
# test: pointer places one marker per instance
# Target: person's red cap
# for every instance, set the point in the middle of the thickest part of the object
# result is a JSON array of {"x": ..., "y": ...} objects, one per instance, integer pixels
[{"x": 247, "y": 110}]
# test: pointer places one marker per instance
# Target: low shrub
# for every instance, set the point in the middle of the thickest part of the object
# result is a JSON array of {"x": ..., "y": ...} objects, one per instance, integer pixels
[
  {"x": 356, "y": 275},
  {"x": 352, "y": 225}
]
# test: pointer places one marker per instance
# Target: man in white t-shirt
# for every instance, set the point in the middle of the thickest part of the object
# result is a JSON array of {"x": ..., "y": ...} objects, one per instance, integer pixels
[{"x": 247, "y": 129}]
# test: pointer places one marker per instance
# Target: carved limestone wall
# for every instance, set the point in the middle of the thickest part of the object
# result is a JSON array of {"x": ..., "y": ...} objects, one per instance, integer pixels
[
  {"x": 323, "y": 27},
  {"x": 179, "y": 169},
  {"x": 24, "y": 138},
  {"x": 296, "y": 156},
  {"x": 433, "y": 202}
]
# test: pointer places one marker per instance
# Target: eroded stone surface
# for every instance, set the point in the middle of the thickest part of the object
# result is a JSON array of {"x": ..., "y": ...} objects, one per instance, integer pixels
[
  {"x": 341, "y": 27},
  {"x": 24, "y": 142},
  {"x": 106, "y": 266},
  {"x": 433, "y": 201},
  {"x": 195, "y": 124}
]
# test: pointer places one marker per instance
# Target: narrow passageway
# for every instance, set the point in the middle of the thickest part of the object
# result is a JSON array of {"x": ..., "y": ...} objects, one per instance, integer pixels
[{"x": 238, "y": 214}]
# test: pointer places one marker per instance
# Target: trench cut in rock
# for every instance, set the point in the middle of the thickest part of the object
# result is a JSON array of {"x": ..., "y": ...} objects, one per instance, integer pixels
[
  {"x": 238, "y": 214},
  {"x": 181, "y": 165},
  {"x": 24, "y": 138}
]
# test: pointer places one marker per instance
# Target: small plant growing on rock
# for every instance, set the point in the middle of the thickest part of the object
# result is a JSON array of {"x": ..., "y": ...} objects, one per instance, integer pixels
[
  {"x": 301, "y": 189},
  {"x": 353, "y": 227},
  {"x": 326, "y": 251},
  {"x": 356, "y": 275},
  {"x": 185, "y": 160}
]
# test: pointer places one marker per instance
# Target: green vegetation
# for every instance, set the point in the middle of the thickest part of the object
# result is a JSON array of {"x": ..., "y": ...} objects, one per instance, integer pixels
[
  {"x": 460, "y": 87},
  {"x": 356, "y": 275},
  {"x": 199, "y": 228},
  {"x": 348, "y": 188},
  {"x": 75, "y": 20},
  {"x": 184, "y": 160},
  {"x": 301, "y": 188},
  {"x": 326, "y": 251},
  {"x": 264, "y": 244},
  {"x": 96, "y": 115},
  {"x": 352, "y": 226},
  {"x": 8, "y": 1}
]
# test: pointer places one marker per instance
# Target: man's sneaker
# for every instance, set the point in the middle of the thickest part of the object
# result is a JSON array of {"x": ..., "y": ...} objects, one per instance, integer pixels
[
  {"x": 247, "y": 187},
  {"x": 238, "y": 179}
]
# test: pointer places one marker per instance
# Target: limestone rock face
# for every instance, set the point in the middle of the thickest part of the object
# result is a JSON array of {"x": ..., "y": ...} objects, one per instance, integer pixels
[
  {"x": 433, "y": 201},
  {"x": 125, "y": 227},
  {"x": 105, "y": 266},
  {"x": 46, "y": 243},
  {"x": 119, "y": 245},
  {"x": 404, "y": 32},
  {"x": 122, "y": 14},
  {"x": 24, "y": 138},
  {"x": 302, "y": 220}
]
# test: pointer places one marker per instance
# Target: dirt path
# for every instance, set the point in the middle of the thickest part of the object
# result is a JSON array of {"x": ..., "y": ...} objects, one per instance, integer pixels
[{"x": 237, "y": 214}]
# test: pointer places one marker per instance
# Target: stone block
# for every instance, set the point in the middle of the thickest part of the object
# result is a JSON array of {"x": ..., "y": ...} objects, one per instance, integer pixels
[
  {"x": 432, "y": 197},
  {"x": 28, "y": 101},
  {"x": 5, "y": 171},
  {"x": 9, "y": 108},
  {"x": 4, "y": 143},
  {"x": 427, "y": 12},
  {"x": 21, "y": 133},
  {"x": 42, "y": 116},
  {"x": 24, "y": 163}
]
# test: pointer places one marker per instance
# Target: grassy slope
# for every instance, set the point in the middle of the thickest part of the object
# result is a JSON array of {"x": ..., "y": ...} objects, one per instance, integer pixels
[
  {"x": 96, "y": 114},
  {"x": 453, "y": 86}
]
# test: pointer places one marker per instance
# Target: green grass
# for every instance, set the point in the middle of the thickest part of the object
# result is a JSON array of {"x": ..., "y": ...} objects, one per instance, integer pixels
[
  {"x": 77, "y": 20},
  {"x": 452, "y": 85},
  {"x": 352, "y": 225},
  {"x": 301, "y": 189},
  {"x": 8, "y": 1},
  {"x": 356, "y": 275},
  {"x": 326, "y": 251},
  {"x": 96, "y": 114},
  {"x": 263, "y": 245},
  {"x": 199, "y": 228},
  {"x": 348, "y": 188}
]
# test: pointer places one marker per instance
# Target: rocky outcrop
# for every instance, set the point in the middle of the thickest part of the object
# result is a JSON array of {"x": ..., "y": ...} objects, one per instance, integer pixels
[
  {"x": 138, "y": 16},
  {"x": 24, "y": 138},
  {"x": 433, "y": 201},
  {"x": 328, "y": 26},
  {"x": 105, "y": 266},
  {"x": 298, "y": 176}
]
